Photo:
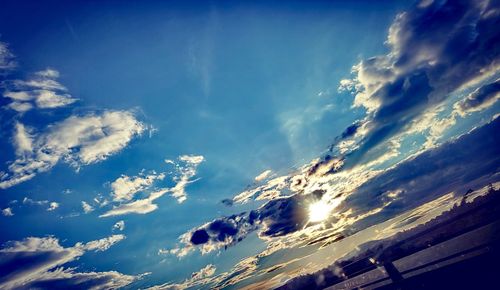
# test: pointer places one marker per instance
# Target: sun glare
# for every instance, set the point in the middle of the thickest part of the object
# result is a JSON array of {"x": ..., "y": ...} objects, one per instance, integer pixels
[{"x": 319, "y": 211}]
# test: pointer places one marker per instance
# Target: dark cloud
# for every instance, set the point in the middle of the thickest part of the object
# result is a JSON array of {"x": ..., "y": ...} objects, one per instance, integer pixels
[
  {"x": 471, "y": 161},
  {"x": 199, "y": 237},
  {"x": 350, "y": 131},
  {"x": 434, "y": 51},
  {"x": 480, "y": 98},
  {"x": 278, "y": 217},
  {"x": 227, "y": 202}
]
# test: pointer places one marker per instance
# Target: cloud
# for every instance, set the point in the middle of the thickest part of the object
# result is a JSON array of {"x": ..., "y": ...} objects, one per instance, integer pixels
[
  {"x": 23, "y": 141},
  {"x": 480, "y": 99},
  {"x": 7, "y": 62},
  {"x": 52, "y": 206},
  {"x": 201, "y": 277},
  {"x": 278, "y": 217},
  {"x": 186, "y": 172},
  {"x": 30, "y": 201},
  {"x": 471, "y": 161},
  {"x": 140, "y": 206},
  {"x": 271, "y": 187},
  {"x": 77, "y": 140},
  {"x": 87, "y": 208},
  {"x": 125, "y": 187},
  {"x": 435, "y": 50},
  {"x": 119, "y": 226},
  {"x": 103, "y": 244},
  {"x": 263, "y": 175},
  {"x": 41, "y": 91},
  {"x": 7, "y": 212},
  {"x": 37, "y": 263}
]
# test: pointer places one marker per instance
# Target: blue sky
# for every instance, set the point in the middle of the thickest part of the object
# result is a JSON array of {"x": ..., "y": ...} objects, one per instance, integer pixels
[{"x": 125, "y": 125}]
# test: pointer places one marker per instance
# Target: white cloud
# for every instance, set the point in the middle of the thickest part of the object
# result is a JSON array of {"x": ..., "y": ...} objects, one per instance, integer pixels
[
  {"x": 30, "y": 201},
  {"x": 52, "y": 206},
  {"x": 48, "y": 73},
  {"x": 41, "y": 91},
  {"x": 125, "y": 187},
  {"x": 186, "y": 173},
  {"x": 103, "y": 244},
  {"x": 141, "y": 206},
  {"x": 42, "y": 259},
  {"x": 87, "y": 208},
  {"x": 201, "y": 277},
  {"x": 119, "y": 226},
  {"x": 23, "y": 141},
  {"x": 7, "y": 211},
  {"x": 77, "y": 140},
  {"x": 193, "y": 159},
  {"x": 263, "y": 175},
  {"x": 20, "y": 106}
]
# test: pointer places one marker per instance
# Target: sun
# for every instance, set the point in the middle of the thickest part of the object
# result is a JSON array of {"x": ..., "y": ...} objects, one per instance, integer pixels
[{"x": 319, "y": 211}]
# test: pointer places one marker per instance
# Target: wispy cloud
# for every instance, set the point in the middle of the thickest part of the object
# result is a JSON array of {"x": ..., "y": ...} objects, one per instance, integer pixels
[
  {"x": 140, "y": 206},
  {"x": 125, "y": 186},
  {"x": 46, "y": 258},
  {"x": 77, "y": 140},
  {"x": 186, "y": 172},
  {"x": 87, "y": 208},
  {"x": 198, "y": 278},
  {"x": 41, "y": 91},
  {"x": 7, "y": 59}
]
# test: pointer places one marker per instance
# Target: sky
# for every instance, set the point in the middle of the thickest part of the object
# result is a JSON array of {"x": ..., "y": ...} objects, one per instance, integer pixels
[{"x": 201, "y": 144}]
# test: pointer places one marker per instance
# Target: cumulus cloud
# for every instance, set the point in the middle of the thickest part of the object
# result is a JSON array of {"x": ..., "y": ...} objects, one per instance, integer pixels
[
  {"x": 201, "y": 277},
  {"x": 7, "y": 212},
  {"x": 41, "y": 91},
  {"x": 125, "y": 187},
  {"x": 52, "y": 206},
  {"x": 37, "y": 263},
  {"x": 77, "y": 140},
  {"x": 424, "y": 66}
]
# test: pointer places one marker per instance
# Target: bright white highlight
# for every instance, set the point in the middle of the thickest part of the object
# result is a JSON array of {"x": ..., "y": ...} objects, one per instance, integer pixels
[{"x": 319, "y": 211}]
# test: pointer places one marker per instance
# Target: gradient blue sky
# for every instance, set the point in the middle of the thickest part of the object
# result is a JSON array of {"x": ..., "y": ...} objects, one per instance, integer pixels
[{"x": 202, "y": 98}]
